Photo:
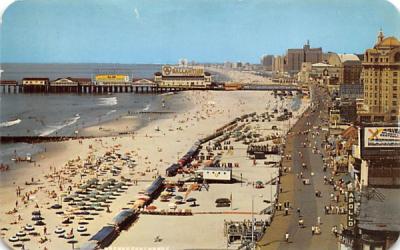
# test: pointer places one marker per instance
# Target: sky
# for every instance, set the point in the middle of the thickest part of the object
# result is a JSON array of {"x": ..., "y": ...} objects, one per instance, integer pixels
[{"x": 163, "y": 31}]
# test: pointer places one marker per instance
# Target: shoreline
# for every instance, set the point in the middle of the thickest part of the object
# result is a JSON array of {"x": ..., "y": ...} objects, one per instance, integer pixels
[{"x": 154, "y": 150}]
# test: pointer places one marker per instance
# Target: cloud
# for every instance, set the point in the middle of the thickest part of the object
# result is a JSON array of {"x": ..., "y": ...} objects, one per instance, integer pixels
[{"x": 137, "y": 14}]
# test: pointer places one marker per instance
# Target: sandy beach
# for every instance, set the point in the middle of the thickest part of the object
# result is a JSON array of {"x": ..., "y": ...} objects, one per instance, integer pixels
[
  {"x": 154, "y": 148},
  {"x": 237, "y": 76}
]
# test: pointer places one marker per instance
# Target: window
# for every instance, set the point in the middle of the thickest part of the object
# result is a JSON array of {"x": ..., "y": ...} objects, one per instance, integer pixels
[
  {"x": 394, "y": 81},
  {"x": 394, "y": 103},
  {"x": 395, "y": 96},
  {"x": 395, "y": 73},
  {"x": 394, "y": 88}
]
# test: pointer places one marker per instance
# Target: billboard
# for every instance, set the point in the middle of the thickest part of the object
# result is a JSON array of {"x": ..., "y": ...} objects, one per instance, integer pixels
[
  {"x": 112, "y": 78},
  {"x": 182, "y": 71},
  {"x": 378, "y": 137}
]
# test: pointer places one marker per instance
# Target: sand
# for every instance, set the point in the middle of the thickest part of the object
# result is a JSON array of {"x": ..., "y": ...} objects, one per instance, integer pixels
[
  {"x": 154, "y": 147},
  {"x": 237, "y": 76}
]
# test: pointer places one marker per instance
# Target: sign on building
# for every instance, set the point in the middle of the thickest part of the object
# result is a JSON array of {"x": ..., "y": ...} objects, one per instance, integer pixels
[
  {"x": 350, "y": 209},
  {"x": 182, "y": 71},
  {"x": 378, "y": 142},
  {"x": 381, "y": 137},
  {"x": 112, "y": 78}
]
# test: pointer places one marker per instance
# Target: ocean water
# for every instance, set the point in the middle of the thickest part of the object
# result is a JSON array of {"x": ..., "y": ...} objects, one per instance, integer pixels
[
  {"x": 17, "y": 71},
  {"x": 61, "y": 114}
]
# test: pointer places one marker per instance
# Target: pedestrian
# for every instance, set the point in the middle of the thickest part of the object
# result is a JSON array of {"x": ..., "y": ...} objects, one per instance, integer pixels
[
  {"x": 287, "y": 237},
  {"x": 45, "y": 230},
  {"x": 312, "y": 230},
  {"x": 319, "y": 221},
  {"x": 298, "y": 211},
  {"x": 286, "y": 211}
]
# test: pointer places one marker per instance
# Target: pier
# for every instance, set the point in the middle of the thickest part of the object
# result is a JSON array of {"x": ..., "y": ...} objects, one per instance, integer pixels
[{"x": 13, "y": 87}]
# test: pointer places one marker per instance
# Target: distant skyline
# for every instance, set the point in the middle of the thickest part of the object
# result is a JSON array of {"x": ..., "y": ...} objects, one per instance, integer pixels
[{"x": 163, "y": 31}]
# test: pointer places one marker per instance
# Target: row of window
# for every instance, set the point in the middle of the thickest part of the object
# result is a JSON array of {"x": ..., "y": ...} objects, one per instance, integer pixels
[
  {"x": 394, "y": 103},
  {"x": 394, "y": 96},
  {"x": 394, "y": 73},
  {"x": 366, "y": 80},
  {"x": 394, "y": 88}
]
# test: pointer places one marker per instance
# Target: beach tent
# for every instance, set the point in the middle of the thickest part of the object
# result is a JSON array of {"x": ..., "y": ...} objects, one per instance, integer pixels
[
  {"x": 124, "y": 218},
  {"x": 155, "y": 187},
  {"x": 90, "y": 245},
  {"x": 105, "y": 236}
]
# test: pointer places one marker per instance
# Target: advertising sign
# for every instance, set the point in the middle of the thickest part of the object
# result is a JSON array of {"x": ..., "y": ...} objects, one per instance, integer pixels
[
  {"x": 378, "y": 137},
  {"x": 112, "y": 78},
  {"x": 182, "y": 71},
  {"x": 350, "y": 209}
]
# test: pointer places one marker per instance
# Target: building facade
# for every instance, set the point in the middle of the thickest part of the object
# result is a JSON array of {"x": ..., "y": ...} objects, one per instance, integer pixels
[
  {"x": 35, "y": 81},
  {"x": 381, "y": 79},
  {"x": 278, "y": 64},
  {"x": 266, "y": 62},
  {"x": 295, "y": 57},
  {"x": 193, "y": 77},
  {"x": 349, "y": 65}
]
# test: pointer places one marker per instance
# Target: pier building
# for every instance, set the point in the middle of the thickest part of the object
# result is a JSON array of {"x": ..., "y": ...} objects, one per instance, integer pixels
[{"x": 193, "y": 77}]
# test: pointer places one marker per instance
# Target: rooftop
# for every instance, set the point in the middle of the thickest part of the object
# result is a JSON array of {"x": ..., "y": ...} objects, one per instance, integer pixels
[
  {"x": 390, "y": 41},
  {"x": 321, "y": 65},
  {"x": 348, "y": 57},
  {"x": 379, "y": 210}
]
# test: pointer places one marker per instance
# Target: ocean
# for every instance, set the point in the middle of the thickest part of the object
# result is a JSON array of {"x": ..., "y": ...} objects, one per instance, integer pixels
[{"x": 61, "y": 114}]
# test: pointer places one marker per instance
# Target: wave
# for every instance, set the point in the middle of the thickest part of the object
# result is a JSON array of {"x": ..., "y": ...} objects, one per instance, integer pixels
[
  {"x": 110, "y": 112},
  {"x": 108, "y": 101},
  {"x": 147, "y": 107},
  {"x": 9, "y": 123},
  {"x": 53, "y": 128},
  {"x": 168, "y": 93}
]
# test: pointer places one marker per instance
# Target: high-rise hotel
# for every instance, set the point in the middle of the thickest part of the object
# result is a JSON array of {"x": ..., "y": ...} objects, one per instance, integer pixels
[{"x": 381, "y": 78}]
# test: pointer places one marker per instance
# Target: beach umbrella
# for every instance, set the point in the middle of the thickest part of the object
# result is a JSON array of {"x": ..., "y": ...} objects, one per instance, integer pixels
[
  {"x": 222, "y": 200},
  {"x": 40, "y": 223},
  {"x": 20, "y": 234},
  {"x": 178, "y": 197},
  {"x": 29, "y": 227},
  {"x": 13, "y": 239},
  {"x": 259, "y": 182},
  {"x": 165, "y": 193},
  {"x": 37, "y": 212},
  {"x": 191, "y": 199},
  {"x": 151, "y": 207},
  {"x": 172, "y": 206},
  {"x": 56, "y": 206},
  {"x": 37, "y": 218}
]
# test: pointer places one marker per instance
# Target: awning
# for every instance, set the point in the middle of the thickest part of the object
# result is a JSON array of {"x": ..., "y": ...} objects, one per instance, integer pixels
[{"x": 347, "y": 178}]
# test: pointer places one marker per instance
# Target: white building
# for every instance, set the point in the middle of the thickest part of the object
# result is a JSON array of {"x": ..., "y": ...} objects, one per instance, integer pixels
[{"x": 193, "y": 77}]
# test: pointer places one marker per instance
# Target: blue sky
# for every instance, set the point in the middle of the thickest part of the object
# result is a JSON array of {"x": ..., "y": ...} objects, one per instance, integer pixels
[{"x": 162, "y": 31}]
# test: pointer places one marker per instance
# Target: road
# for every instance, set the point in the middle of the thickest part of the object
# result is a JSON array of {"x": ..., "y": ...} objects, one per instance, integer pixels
[{"x": 303, "y": 196}]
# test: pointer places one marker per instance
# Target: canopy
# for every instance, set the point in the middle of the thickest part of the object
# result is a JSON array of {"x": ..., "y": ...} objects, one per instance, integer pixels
[
  {"x": 103, "y": 234},
  {"x": 123, "y": 216}
]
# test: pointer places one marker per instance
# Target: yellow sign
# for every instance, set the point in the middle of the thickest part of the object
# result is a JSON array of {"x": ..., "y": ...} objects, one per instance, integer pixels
[
  {"x": 182, "y": 71},
  {"x": 382, "y": 137},
  {"x": 112, "y": 78}
]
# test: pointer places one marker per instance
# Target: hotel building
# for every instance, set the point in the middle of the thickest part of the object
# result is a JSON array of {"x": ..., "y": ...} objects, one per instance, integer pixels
[
  {"x": 295, "y": 57},
  {"x": 381, "y": 78}
]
